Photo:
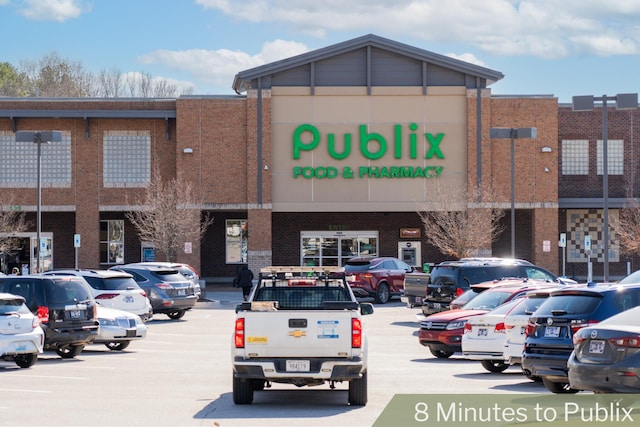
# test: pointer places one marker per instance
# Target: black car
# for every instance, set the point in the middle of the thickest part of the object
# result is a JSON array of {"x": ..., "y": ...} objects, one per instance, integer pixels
[
  {"x": 65, "y": 306},
  {"x": 450, "y": 279},
  {"x": 168, "y": 291},
  {"x": 549, "y": 340}
]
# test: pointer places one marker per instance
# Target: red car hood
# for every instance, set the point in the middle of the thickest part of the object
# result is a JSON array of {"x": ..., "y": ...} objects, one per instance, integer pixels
[{"x": 449, "y": 315}]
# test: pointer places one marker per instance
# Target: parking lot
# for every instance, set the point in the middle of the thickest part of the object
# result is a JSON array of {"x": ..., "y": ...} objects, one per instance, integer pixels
[{"x": 180, "y": 374}]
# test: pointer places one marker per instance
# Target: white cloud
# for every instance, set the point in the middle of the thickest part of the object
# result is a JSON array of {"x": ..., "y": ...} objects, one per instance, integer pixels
[
  {"x": 540, "y": 28},
  {"x": 217, "y": 67},
  {"x": 52, "y": 10}
]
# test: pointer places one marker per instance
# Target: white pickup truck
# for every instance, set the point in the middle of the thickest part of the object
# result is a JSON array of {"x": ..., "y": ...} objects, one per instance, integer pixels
[{"x": 300, "y": 326}]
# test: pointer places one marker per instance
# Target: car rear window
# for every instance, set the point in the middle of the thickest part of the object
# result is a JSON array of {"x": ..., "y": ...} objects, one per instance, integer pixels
[
  {"x": 488, "y": 300},
  {"x": 569, "y": 304},
  {"x": 442, "y": 274},
  {"x": 528, "y": 306},
  {"x": 356, "y": 267},
  {"x": 170, "y": 275},
  {"x": 13, "y": 305},
  {"x": 112, "y": 283},
  {"x": 65, "y": 291}
]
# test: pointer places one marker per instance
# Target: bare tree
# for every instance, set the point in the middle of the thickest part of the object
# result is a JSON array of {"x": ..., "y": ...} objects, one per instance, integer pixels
[
  {"x": 626, "y": 227},
  {"x": 12, "y": 222},
  {"x": 110, "y": 83},
  {"x": 462, "y": 229},
  {"x": 168, "y": 216}
]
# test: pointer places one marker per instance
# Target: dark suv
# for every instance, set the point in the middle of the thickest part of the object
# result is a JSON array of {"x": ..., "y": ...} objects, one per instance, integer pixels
[
  {"x": 169, "y": 291},
  {"x": 380, "y": 277},
  {"x": 450, "y": 279},
  {"x": 549, "y": 340},
  {"x": 65, "y": 306}
]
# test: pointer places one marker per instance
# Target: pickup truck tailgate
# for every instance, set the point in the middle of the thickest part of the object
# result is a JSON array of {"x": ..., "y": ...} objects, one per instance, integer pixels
[{"x": 305, "y": 333}]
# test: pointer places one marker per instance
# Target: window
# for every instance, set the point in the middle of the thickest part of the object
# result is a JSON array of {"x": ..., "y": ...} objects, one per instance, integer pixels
[
  {"x": 329, "y": 249},
  {"x": 575, "y": 157},
  {"x": 19, "y": 162},
  {"x": 615, "y": 157},
  {"x": 112, "y": 242},
  {"x": 127, "y": 159}
]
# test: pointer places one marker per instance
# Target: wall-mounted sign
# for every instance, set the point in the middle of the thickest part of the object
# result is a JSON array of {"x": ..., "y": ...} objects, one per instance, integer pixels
[
  {"x": 371, "y": 146},
  {"x": 410, "y": 233}
]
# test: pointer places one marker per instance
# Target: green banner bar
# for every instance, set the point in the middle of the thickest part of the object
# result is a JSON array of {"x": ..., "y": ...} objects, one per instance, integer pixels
[{"x": 497, "y": 410}]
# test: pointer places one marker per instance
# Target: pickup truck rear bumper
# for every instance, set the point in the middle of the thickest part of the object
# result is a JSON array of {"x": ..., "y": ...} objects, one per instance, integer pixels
[{"x": 275, "y": 370}]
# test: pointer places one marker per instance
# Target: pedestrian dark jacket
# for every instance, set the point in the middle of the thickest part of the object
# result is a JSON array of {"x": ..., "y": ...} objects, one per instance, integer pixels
[{"x": 245, "y": 277}]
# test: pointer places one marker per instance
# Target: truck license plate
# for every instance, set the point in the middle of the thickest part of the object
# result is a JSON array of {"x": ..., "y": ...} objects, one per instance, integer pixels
[{"x": 298, "y": 366}]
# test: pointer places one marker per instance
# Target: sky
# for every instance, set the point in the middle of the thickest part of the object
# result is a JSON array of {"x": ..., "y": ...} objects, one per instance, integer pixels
[{"x": 543, "y": 47}]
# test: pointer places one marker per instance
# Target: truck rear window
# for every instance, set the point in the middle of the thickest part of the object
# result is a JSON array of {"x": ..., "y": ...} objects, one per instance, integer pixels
[{"x": 296, "y": 298}]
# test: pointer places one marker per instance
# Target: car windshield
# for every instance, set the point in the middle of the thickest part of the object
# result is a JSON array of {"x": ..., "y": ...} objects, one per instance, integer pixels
[{"x": 487, "y": 300}]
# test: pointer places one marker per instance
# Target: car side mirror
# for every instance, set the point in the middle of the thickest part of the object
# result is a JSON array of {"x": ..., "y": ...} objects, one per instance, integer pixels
[{"x": 366, "y": 308}]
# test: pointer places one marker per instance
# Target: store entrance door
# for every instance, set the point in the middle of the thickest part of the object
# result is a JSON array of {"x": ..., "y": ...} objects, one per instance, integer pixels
[
  {"x": 331, "y": 248},
  {"x": 24, "y": 257}
]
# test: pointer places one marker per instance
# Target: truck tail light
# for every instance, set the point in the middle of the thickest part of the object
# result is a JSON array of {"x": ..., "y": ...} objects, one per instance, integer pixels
[
  {"x": 356, "y": 333},
  {"x": 238, "y": 336}
]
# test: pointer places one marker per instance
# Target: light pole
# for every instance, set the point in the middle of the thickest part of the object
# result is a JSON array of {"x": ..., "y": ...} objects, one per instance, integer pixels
[
  {"x": 513, "y": 134},
  {"x": 624, "y": 101},
  {"x": 39, "y": 138}
]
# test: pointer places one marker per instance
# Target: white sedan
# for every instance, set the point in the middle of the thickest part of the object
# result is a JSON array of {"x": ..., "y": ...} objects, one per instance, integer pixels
[
  {"x": 484, "y": 337},
  {"x": 21, "y": 337},
  {"x": 118, "y": 328}
]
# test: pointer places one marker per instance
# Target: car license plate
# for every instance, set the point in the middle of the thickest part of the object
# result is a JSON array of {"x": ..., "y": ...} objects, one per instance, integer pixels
[
  {"x": 482, "y": 332},
  {"x": 182, "y": 292},
  {"x": 522, "y": 330},
  {"x": 596, "y": 346},
  {"x": 298, "y": 365},
  {"x": 552, "y": 331},
  {"x": 436, "y": 305},
  {"x": 129, "y": 299},
  {"x": 75, "y": 314}
]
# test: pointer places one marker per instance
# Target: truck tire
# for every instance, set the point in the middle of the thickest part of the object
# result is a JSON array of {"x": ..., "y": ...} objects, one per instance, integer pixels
[
  {"x": 242, "y": 391},
  {"x": 382, "y": 293},
  {"x": 358, "y": 391}
]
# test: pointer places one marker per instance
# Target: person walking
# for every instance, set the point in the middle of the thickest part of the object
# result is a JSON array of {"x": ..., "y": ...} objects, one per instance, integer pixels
[{"x": 244, "y": 280}]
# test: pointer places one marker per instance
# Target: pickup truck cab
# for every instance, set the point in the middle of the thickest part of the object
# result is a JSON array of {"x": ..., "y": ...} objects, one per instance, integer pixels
[{"x": 300, "y": 326}]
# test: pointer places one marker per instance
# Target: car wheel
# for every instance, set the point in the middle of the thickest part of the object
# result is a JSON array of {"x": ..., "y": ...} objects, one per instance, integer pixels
[
  {"x": 175, "y": 315},
  {"x": 494, "y": 365},
  {"x": 26, "y": 360},
  {"x": 117, "y": 345},
  {"x": 358, "y": 391},
  {"x": 242, "y": 391},
  {"x": 69, "y": 351},
  {"x": 382, "y": 293},
  {"x": 441, "y": 354},
  {"x": 554, "y": 387}
]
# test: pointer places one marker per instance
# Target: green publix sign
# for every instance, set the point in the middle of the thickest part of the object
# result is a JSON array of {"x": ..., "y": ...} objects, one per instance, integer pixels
[{"x": 372, "y": 146}]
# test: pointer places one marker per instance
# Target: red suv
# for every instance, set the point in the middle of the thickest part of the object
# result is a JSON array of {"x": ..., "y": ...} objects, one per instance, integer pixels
[{"x": 380, "y": 277}]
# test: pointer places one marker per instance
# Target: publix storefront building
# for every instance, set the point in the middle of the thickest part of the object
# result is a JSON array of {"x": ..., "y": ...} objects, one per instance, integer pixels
[
  {"x": 364, "y": 134},
  {"x": 325, "y": 156}
]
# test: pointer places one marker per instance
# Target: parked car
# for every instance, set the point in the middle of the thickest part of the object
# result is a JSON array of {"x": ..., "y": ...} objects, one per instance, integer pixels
[
  {"x": 21, "y": 337},
  {"x": 65, "y": 306},
  {"x": 549, "y": 340},
  {"x": 114, "y": 289},
  {"x": 185, "y": 269},
  {"x": 450, "y": 279},
  {"x": 472, "y": 292},
  {"x": 381, "y": 278},
  {"x": 515, "y": 325},
  {"x": 484, "y": 336},
  {"x": 606, "y": 357},
  {"x": 442, "y": 332},
  {"x": 169, "y": 291},
  {"x": 118, "y": 328}
]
